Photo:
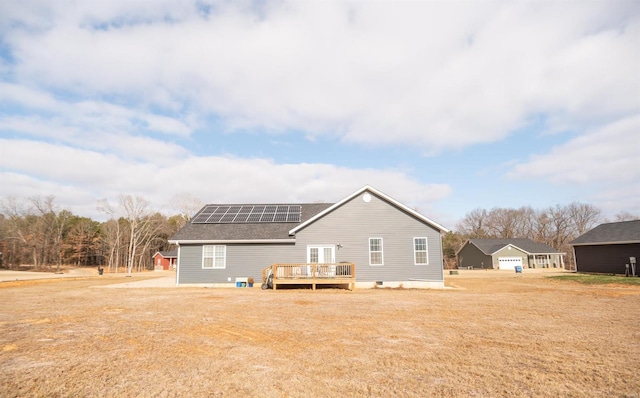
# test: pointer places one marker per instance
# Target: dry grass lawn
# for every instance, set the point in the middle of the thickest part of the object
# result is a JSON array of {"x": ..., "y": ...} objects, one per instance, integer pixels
[{"x": 488, "y": 336}]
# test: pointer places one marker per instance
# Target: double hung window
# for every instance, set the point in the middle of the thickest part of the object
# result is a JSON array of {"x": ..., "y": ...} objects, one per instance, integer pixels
[
  {"x": 420, "y": 253},
  {"x": 214, "y": 256},
  {"x": 376, "y": 251}
]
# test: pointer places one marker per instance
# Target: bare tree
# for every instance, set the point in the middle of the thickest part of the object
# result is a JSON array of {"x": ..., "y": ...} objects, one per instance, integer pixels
[
  {"x": 112, "y": 234},
  {"x": 583, "y": 217},
  {"x": 473, "y": 224},
  {"x": 626, "y": 216},
  {"x": 503, "y": 223},
  {"x": 54, "y": 224},
  {"x": 561, "y": 231},
  {"x": 21, "y": 227},
  {"x": 526, "y": 225},
  {"x": 136, "y": 212},
  {"x": 542, "y": 227},
  {"x": 186, "y": 205}
]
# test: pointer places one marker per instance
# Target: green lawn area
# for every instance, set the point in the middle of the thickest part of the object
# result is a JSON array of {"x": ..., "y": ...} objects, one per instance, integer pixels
[{"x": 590, "y": 279}]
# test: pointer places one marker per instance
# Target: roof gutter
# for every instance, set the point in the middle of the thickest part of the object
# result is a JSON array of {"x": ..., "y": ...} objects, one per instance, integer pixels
[{"x": 205, "y": 241}]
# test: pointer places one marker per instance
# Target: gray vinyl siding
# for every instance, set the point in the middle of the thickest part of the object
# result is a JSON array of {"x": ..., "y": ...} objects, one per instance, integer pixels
[
  {"x": 471, "y": 256},
  {"x": 609, "y": 258},
  {"x": 242, "y": 260},
  {"x": 352, "y": 224}
]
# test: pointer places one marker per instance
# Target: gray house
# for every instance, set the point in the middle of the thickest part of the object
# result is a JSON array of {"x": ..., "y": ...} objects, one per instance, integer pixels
[
  {"x": 608, "y": 247},
  {"x": 507, "y": 254},
  {"x": 389, "y": 243}
]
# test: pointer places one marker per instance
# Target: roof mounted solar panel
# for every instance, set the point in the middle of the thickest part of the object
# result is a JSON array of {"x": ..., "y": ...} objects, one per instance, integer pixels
[
  {"x": 293, "y": 217},
  {"x": 239, "y": 214},
  {"x": 214, "y": 219},
  {"x": 241, "y": 218},
  {"x": 267, "y": 217}
]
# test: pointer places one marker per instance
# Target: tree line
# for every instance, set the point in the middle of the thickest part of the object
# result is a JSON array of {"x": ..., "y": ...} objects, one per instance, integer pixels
[
  {"x": 555, "y": 226},
  {"x": 38, "y": 233}
]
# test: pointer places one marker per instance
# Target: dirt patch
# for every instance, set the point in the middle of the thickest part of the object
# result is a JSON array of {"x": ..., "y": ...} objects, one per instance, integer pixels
[{"x": 503, "y": 336}]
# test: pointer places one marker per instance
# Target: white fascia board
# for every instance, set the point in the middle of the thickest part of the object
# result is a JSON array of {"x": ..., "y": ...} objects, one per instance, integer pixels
[
  {"x": 377, "y": 193},
  {"x": 195, "y": 241}
]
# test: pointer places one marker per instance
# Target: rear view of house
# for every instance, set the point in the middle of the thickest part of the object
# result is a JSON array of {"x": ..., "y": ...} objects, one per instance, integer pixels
[
  {"x": 608, "y": 247},
  {"x": 508, "y": 254},
  {"x": 389, "y": 243}
]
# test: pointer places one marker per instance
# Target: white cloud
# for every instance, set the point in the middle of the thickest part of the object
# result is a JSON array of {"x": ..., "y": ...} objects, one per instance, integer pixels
[
  {"x": 37, "y": 168},
  {"x": 607, "y": 160},
  {"x": 104, "y": 97},
  {"x": 609, "y": 154},
  {"x": 372, "y": 73}
]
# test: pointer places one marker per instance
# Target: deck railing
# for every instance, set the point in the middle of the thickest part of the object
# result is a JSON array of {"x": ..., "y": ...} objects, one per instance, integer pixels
[{"x": 332, "y": 273}]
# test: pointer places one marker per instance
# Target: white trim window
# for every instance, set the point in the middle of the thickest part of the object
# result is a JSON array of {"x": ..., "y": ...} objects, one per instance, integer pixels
[
  {"x": 420, "y": 251},
  {"x": 214, "y": 257},
  {"x": 376, "y": 251}
]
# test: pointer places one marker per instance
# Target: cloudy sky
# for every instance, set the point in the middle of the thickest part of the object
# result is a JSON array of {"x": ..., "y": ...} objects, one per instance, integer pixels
[{"x": 445, "y": 106}]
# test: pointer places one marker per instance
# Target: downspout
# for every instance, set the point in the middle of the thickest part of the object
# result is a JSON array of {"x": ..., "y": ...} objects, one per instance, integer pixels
[{"x": 178, "y": 265}]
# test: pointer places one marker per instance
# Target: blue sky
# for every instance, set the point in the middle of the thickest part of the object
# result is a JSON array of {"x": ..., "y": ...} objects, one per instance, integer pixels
[{"x": 444, "y": 106}]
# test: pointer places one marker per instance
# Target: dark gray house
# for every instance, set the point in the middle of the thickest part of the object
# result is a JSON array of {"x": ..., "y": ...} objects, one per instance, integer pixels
[
  {"x": 607, "y": 247},
  {"x": 389, "y": 243},
  {"x": 507, "y": 254}
]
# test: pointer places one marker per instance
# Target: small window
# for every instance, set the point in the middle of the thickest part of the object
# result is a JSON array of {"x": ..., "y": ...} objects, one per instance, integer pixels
[
  {"x": 214, "y": 257},
  {"x": 375, "y": 251},
  {"x": 420, "y": 253}
]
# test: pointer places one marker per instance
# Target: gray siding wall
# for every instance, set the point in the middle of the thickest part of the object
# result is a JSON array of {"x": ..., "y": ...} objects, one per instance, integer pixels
[
  {"x": 352, "y": 224},
  {"x": 606, "y": 258},
  {"x": 471, "y": 256},
  {"x": 243, "y": 260}
]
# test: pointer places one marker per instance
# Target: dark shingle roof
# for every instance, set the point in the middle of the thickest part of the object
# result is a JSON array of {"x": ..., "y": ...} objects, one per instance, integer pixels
[
  {"x": 490, "y": 246},
  {"x": 247, "y": 231},
  {"x": 172, "y": 253},
  {"x": 615, "y": 232}
]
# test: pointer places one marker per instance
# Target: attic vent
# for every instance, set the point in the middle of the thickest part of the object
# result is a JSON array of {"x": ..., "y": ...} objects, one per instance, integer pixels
[{"x": 366, "y": 197}]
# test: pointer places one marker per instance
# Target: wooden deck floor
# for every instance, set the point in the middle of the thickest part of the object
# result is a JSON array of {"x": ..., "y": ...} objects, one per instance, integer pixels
[{"x": 310, "y": 274}]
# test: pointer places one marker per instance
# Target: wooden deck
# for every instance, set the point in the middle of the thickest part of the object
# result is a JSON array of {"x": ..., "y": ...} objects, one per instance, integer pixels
[{"x": 311, "y": 274}]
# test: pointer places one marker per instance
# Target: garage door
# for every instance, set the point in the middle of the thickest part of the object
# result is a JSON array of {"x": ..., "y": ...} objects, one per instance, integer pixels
[{"x": 509, "y": 262}]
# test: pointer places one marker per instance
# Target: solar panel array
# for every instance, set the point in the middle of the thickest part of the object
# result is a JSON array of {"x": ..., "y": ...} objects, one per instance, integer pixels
[{"x": 214, "y": 214}]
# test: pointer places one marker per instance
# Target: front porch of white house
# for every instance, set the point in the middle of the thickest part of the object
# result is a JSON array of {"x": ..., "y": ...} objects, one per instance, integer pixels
[{"x": 555, "y": 260}]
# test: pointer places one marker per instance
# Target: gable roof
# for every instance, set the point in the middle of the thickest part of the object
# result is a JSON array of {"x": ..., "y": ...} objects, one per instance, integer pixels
[
  {"x": 277, "y": 232},
  {"x": 611, "y": 233},
  {"x": 245, "y": 232},
  {"x": 490, "y": 246},
  {"x": 167, "y": 254},
  {"x": 381, "y": 195}
]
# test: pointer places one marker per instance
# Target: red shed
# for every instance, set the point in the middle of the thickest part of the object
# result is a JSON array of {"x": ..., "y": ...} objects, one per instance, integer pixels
[{"x": 165, "y": 260}]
